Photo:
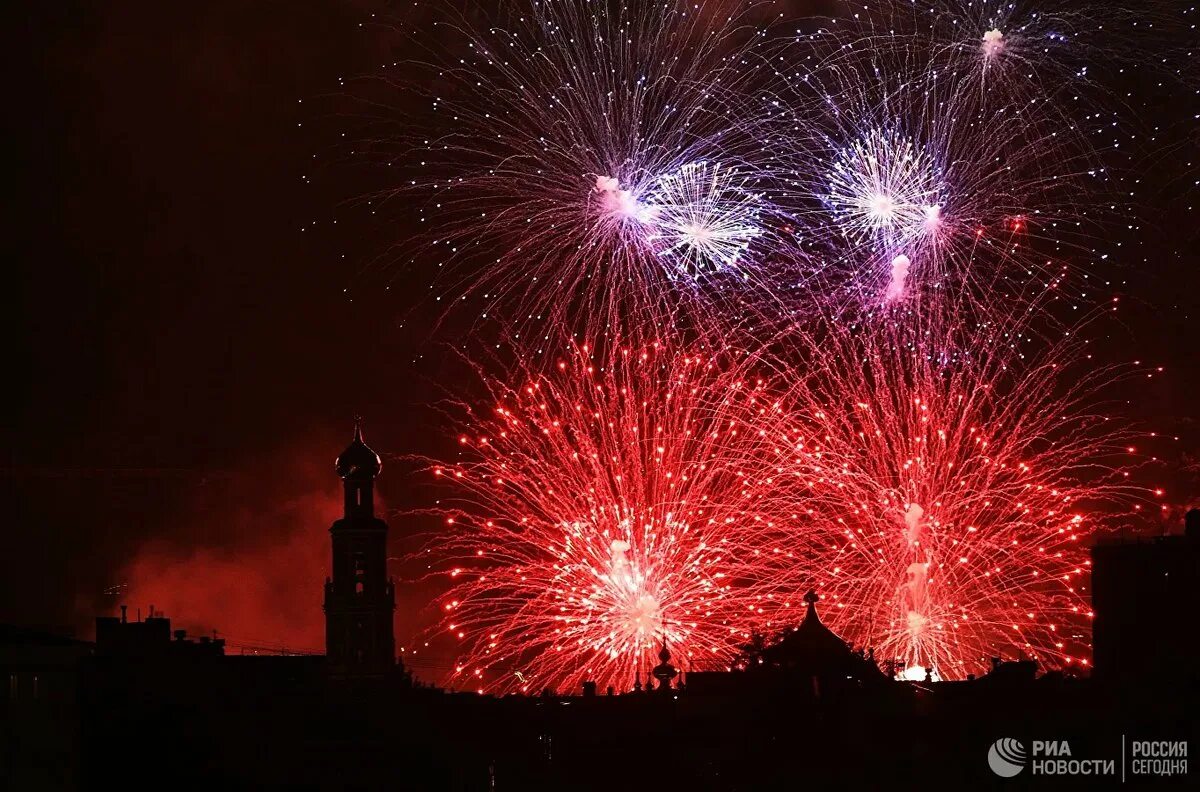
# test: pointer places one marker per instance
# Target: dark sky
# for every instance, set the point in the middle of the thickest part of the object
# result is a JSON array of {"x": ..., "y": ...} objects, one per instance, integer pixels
[
  {"x": 186, "y": 362},
  {"x": 179, "y": 340}
]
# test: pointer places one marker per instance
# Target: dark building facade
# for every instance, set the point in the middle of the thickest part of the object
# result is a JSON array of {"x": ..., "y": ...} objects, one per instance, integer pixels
[
  {"x": 1145, "y": 597},
  {"x": 39, "y": 708},
  {"x": 360, "y": 598},
  {"x": 118, "y": 637}
]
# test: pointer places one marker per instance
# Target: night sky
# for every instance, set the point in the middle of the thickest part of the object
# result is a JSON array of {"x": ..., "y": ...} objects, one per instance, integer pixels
[{"x": 188, "y": 362}]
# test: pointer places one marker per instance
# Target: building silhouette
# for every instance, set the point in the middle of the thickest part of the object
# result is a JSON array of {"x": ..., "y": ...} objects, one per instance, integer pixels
[
  {"x": 360, "y": 598},
  {"x": 143, "y": 705},
  {"x": 117, "y": 637},
  {"x": 1145, "y": 596},
  {"x": 808, "y": 661},
  {"x": 40, "y": 739}
]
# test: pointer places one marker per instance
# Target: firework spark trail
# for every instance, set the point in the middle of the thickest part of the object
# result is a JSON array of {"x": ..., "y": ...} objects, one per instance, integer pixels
[
  {"x": 1021, "y": 47},
  {"x": 969, "y": 138},
  {"x": 938, "y": 489},
  {"x": 942, "y": 501},
  {"x": 593, "y": 164},
  {"x": 902, "y": 160},
  {"x": 905, "y": 198},
  {"x": 704, "y": 216},
  {"x": 599, "y": 509},
  {"x": 590, "y": 165}
]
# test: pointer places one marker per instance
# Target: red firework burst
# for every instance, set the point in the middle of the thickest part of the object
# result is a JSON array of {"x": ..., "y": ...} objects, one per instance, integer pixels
[
  {"x": 907, "y": 194},
  {"x": 600, "y": 510},
  {"x": 943, "y": 501}
]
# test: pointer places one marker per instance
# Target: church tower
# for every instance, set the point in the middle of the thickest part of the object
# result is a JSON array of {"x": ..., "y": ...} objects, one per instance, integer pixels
[{"x": 359, "y": 597}]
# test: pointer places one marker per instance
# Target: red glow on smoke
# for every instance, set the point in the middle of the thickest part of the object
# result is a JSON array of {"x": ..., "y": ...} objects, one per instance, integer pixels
[{"x": 246, "y": 556}]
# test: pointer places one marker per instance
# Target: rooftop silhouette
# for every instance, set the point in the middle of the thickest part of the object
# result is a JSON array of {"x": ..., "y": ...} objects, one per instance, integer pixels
[{"x": 354, "y": 717}]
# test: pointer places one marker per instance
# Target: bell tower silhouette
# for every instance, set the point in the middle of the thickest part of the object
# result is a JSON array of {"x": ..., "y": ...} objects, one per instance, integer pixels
[{"x": 360, "y": 598}]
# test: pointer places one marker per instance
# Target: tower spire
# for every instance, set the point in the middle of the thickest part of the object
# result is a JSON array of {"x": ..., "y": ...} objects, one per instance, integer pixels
[
  {"x": 360, "y": 598},
  {"x": 664, "y": 672},
  {"x": 358, "y": 466},
  {"x": 811, "y": 614}
]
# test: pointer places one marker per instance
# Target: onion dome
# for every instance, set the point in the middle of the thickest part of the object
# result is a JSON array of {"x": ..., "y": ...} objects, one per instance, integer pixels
[
  {"x": 664, "y": 672},
  {"x": 812, "y": 646},
  {"x": 358, "y": 460}
]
